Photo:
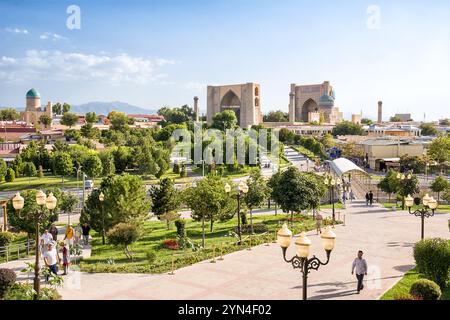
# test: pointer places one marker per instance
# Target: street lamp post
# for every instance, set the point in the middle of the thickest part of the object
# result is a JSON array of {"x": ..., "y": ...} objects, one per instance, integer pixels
[
  {"x": 330, "y": 182},
  {"x": 101, "y": 198},
  {"x": 403, "y": 177},
  {"x": 42, "y": 200},
  {"x": 242, "y": 190},
  {"x": 301, "y": 260},
  {"x": 429, "y": 205}
]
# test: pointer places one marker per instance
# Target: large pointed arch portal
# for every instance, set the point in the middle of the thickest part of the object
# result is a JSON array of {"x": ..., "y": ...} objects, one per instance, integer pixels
[
  {"x": 231, "y": 101},
  {"x": 309, "y": 106}
]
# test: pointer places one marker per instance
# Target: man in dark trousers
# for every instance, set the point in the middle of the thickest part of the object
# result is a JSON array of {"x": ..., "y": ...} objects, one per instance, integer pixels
[
  {"x": 360, "y": 265},
  {"x": 371, "y": 198},
  {"x": 85, "y": 228}
]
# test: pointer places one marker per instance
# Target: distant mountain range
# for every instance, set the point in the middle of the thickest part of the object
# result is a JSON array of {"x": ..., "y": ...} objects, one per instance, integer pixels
[{"x": 107, "y": 107}]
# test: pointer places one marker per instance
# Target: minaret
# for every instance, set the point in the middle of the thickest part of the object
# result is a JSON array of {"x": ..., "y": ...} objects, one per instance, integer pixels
[
  {"x": 292, "y": 104},
  {"x": 380, "y": 111},
  {"x": 197, "y": 116}
]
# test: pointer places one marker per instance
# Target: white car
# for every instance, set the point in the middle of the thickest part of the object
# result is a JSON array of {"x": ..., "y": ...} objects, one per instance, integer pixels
[{"x": 88, "y": 184}]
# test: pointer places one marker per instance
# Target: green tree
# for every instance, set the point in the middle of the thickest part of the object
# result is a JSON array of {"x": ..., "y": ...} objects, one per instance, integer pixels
[
  {"x": 366, "y": 121},
  {"x": 125, "y": 201},
  {"x": 9, "y": 114},
  {"x": 45, "y": 120},
  {"x": 389, "y": 183},
  {"x": 57, "y": 108},
  {"x": 258, "y": 192},
  {"x": 439, "y": 150},
  {"x": 107, "y": 163},
  {"x": 209, "y": 202},
  {"x": 295, "y": 191},
  {"x": 10, "y": 175},
  {"x": 29, "y": 169},
  {"x": 119, "y": 120},
  {"x": 89, "y": 131},
  {"x": 124, "y": 234},
  {"x": 408, "y": 187},
  {"x": 428, "y": 129},
  {"x": 165, "y": 198},
  {"x": 69, "y": 119},
  {"x": 276, "y": 116},
  {"x": 395, "y": 119},
  {"x": 224, "y": 120},
  {"x": 92, "y": 166},
  {"x": 65, "y": 108},
  {"x": 412, "y": 163},
  {"x": 3, "y": 169},
  {"x": 438, "y": 185},
  {"x": 62, "y": 163},
  {"x": 122, "y": 158},
  {"x": 347, "y": 128},
  {"x": 25, "y": 221},
  {"x": 91, "y": 117}
]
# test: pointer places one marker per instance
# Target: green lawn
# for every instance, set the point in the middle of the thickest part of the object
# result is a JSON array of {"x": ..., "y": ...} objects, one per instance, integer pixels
[
  {"x": 401, "y": 288},
  {"x": 45, "y": 182},
  {"x": 304, "y": 151},
  {"x": 107, "y": 258},
  {"x": 337, "y": 205},
  {"x": 17, "y": 248}
]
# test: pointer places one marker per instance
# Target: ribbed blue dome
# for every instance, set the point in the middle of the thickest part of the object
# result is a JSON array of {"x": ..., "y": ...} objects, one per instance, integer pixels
[
  {"x": 32, "y": 93},
  {"x": 326, "y": 100}
]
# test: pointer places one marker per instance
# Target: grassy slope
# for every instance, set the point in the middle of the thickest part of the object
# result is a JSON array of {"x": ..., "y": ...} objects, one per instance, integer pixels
[
  {"x": 154, "y": 232},
  {"x": 402, "y": 287}
]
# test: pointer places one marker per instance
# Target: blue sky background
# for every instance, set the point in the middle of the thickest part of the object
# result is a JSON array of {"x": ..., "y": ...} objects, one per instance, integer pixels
[{"x": 155, "y": 53}]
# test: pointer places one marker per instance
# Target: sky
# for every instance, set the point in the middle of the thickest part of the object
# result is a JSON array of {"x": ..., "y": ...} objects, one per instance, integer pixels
[{"x": 163, "y": 53}]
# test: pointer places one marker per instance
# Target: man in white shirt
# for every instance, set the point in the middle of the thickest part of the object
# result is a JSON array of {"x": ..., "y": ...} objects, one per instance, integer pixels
[
  {"x": 51, "y": 259},
  {"x": 46, "y": 238},
  {"x": 361, "y": 269}
]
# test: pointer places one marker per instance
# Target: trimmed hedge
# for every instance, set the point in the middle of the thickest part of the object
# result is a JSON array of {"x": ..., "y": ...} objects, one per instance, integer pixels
[
  {"x": 6, "y": 238},
  {"x": 425, "y": 290},
  {"x": 433, "y": 259}
]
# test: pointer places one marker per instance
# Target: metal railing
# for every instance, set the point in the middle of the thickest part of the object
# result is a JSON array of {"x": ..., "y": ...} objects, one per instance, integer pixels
[{"x": 16, "y": 251}]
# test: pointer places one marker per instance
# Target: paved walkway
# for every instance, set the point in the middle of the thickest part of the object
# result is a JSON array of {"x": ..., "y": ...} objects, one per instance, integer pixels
[{"x": 386, "y": 237}]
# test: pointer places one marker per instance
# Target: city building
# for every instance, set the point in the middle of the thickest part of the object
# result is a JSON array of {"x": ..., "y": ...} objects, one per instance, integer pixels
[
  {"x": 384, "y": 153},
  {"x": 356, "y": 118},
  {"x": 243, "y": 99},
  {"x": 33, "y": 110},
  {"x": 404, "y": 117},
  {"x": 307, "y": 100},
  {"x": 405, "y": 131}
]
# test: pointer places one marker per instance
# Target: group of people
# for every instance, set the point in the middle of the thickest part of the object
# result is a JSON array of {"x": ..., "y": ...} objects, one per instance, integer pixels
[
  {"x": 369, "y": 198},
  {"x": 348, "y": 196},
  {"x": 51, "y": 248}
]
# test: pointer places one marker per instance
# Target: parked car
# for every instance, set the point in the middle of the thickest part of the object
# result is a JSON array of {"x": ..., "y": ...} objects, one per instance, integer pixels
[{"x": 88, "y": 184}]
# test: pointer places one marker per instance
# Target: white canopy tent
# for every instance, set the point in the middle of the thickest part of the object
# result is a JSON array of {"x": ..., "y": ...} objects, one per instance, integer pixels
[{"x": 342, "y": 165}]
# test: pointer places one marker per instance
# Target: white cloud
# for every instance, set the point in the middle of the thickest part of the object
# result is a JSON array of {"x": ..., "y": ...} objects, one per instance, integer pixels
[
  {"x": 51, "y": 36},
  {"x": 62, "y": 66},
  {"x": 195, "y": 86},
  {"x": 17, "y": 30}
]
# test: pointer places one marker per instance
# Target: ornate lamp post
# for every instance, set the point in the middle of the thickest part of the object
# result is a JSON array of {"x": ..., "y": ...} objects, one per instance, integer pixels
[
  {"x": 42, "y": 200},
  {"x": 403, "y": 177},
  {"x": 330, "y": 182},
  {"x": 242, "y": 190},
  {"x": 429, "y": 205},
  {"x": 301, "y": 260},
  {"x": 101, "y": 198}
]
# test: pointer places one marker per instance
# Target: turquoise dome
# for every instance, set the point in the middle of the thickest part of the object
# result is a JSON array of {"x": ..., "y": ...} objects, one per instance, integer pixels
[
  {"x": 326, "y": 100},
  {"x": 32, "y": 93}
]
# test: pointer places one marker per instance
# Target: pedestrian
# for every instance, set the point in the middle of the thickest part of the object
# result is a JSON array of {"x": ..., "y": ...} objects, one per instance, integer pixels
[
  {"x": 371, "y": 198},
  {"x": 46, "y": 238},
  {"x": 360, "y": 267},
  {"x": 51, "y": 259},
  {"x": 86, "y": 230},
  {"x": 69, "y": 235},
  {"x": 344, "y": 197},
  {"x": 352, "y": 195},
  {"x": 319, "y": 220},
  {"x": 367, "y": 199},
  {"x": 54, "y": 232},
  {"x": 77, "y": 233},
  {"x": 65, "y": 256}
]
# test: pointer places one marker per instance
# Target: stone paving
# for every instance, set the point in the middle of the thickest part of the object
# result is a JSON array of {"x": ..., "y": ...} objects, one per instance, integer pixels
[{"x": 386, "y": 237}]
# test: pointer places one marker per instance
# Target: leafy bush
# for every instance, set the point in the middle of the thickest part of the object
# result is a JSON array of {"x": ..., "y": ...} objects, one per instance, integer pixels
[
  {"x": 243, "y": 218},
  {"x": 406, "y": 297},
  {"x": 171, "y": 244},
  {"x": 151, "y": 256},
  {"x": 425, "y": 290},
  {"x": 181, "y": 230},
  {"x": 23, "y": 291},
  {"x": 257, "y": 228},
  {"x": 7, "y": 279},
  {"x": 176, "y": 168},
  {"x": 124, "y": 234},
  {"x": 6, "y": 238},
  {"x": 433, "y": 259},
  {"x": 10, "y": 175}
]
